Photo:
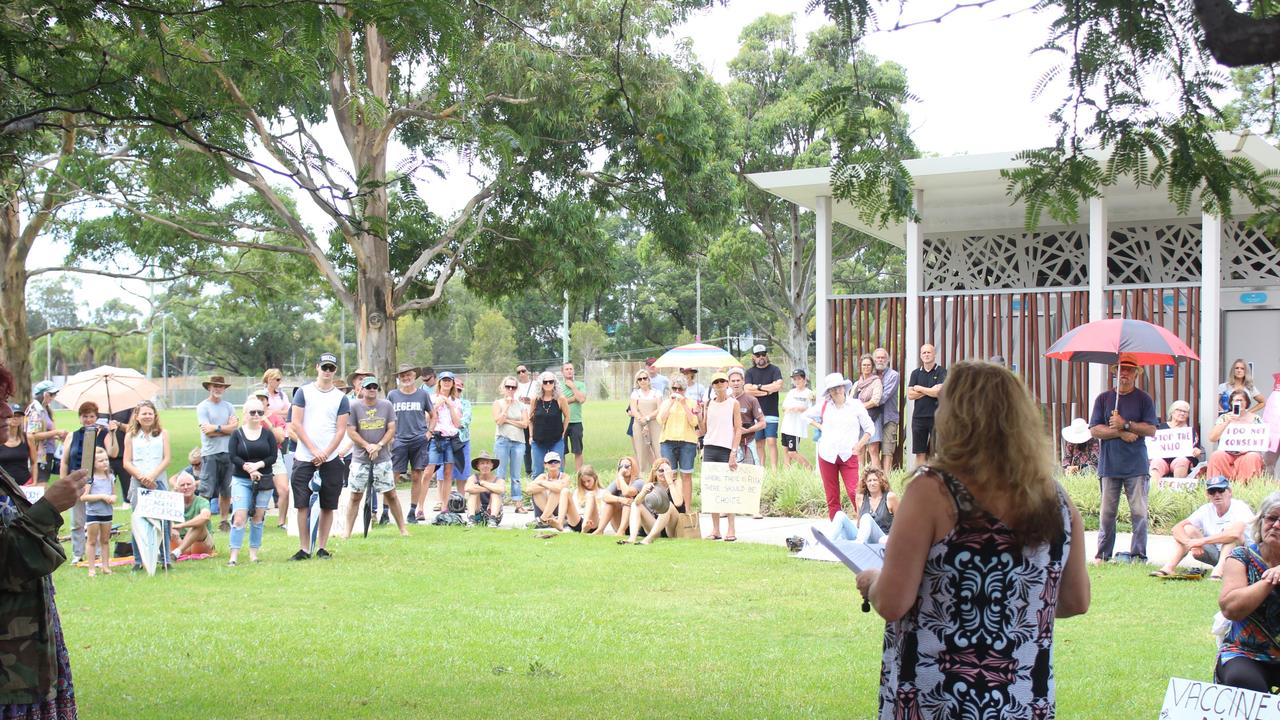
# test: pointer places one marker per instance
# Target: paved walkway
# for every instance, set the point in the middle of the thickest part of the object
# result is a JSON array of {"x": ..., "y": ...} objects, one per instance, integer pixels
[{"x": 776, "y": 530}]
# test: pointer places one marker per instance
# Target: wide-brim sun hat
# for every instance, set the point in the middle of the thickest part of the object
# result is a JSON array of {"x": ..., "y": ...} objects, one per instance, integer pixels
[
  {"x": 834, "y": 380},
  {"x": 1077, "y": 433},
  {"x": 657, "y": 502},
  {"x": 218, "y": 380},
  {"x": 406, "y": 367},
  {"x": 485, "y": 455}
]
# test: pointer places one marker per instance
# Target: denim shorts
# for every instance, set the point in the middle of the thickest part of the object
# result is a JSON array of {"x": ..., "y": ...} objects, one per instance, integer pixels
[
  {"x": 770, "y": 426},
  {"x": 680, "y": 454},
  {"x": 441, "y": 452}
]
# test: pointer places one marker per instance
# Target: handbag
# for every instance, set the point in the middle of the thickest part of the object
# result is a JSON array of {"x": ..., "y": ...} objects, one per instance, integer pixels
[{"x": 687, "y": 525}]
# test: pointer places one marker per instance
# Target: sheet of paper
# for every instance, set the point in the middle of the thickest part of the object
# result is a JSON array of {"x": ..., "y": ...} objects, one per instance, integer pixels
[{"x": 855, "y": 555}]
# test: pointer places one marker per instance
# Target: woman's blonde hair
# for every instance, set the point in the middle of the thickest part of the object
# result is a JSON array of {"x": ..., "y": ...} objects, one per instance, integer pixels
[
  {"x": 272, "y": 373},
  {"x": 1231, "y": 374},
  {"x": 586, "y": 472},
  {"x": 990, "y": 435},
  {"x": 135, "y": 427}
]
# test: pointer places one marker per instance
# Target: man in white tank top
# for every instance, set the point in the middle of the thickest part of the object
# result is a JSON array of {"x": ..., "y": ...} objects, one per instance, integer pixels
[{"x": 320, "y": 416}]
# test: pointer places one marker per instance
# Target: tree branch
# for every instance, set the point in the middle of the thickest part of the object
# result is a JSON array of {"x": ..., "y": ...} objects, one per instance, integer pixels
[
  {"x": 475, "y": 206},
  {"x": 88, "y": 329},
  {"x": 1237, "y": 39}
]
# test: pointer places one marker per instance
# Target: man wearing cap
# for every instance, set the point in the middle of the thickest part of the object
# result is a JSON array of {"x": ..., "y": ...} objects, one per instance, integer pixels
[
  {"x": 763, "y": 381},
  {"x": 40, "y": 430},
  {"x": 371, "y": 430},
  {"x": 891, "y": 418},
  {"x": 321, "y": 413},
  {"x": 1121, "y": 420},
  {"x": 695, "y": 390},
  {"x": 752, "y": 415},
  {"x": 575, "y": 393},
  {"x": 218, "y": 420},
  {"x": 411, "y": 447},
  {"x": 1211, "y": 532},
  {"x": 922, "y": 389},
  {"x": 657, "y": 380}
]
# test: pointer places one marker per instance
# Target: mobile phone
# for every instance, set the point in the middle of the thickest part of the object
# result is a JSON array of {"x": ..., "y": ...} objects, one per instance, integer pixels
[{"x": 1237, "y": 407}]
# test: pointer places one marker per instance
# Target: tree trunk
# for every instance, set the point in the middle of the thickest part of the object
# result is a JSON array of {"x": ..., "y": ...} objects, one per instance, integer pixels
[
  {"x": 374, "y": 312},
  {"x": 797, "y": 297},
  {"x": 15, "y": 344}
]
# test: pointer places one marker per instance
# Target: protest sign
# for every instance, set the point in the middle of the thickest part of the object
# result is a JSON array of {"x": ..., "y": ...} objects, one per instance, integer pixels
[
  {"x": 33, "y": 492},
  {"x": 1171, "y": 443},
  {"x": 159, "y": 504},
  {"x": 1198, "y": 700},
  {"x": 1245, "y": 438},
  {"x": 736, "y": 491}
]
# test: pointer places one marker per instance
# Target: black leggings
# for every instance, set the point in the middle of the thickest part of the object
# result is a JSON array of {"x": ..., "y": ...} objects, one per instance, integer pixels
[{"x": 1248, "y": 674}]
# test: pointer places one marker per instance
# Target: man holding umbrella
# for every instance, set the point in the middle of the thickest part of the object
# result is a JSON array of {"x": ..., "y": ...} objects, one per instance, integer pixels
[{"x": 1122, "y": 417}]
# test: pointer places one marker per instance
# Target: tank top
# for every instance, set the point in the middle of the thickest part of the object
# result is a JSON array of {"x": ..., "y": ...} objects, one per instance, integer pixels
[
  {"x": 100, "y": 486},
  {"x": 678, "y": 428},
  {"x": 515, "y": 411},
  {"x": 444, "y": 417},
  {"x": 881, "y": 514},
  {"x": 148, "y": 451},
  {"x": 720, "y": 422},
  {"x": 548, "y": 422},
  {"x": 16, "y": 461}
]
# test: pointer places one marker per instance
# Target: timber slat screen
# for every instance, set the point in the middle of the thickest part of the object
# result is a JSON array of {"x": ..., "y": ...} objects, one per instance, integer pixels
[
  {"x": 1176, "y": 309},
  {"x": 860, "y": 325}
]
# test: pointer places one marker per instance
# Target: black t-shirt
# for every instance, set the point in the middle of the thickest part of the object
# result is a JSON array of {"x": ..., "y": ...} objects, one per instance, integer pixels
[
  {"x": 926, "y": 406},
  {"x": 763, "y": 376},
  {"x": 122, "y": 417}
]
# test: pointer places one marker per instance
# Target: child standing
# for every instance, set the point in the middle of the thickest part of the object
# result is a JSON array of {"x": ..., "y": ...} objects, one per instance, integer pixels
[
  {"x": 794, "y": 425},
  {"x": 99, "y": 499}
]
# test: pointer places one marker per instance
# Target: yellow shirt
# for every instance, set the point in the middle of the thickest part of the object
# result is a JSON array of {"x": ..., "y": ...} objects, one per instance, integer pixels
[{"x": 677, "y": 428}]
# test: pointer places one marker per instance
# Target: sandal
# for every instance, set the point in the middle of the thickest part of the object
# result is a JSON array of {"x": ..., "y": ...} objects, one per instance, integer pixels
[
  {"x": 730, "y": 538},
  {"x": 713, "y": 537},
  {"x": 624, "y": 541},
  {"x": 1159, "y": 574},
  {"x": 435, "y": 508}
]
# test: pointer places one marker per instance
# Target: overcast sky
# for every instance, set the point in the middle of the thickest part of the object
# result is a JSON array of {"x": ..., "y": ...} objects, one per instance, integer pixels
[{"x": 973, "y": 73}]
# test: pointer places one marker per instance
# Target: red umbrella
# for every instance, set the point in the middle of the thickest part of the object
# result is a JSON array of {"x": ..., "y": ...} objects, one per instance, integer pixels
[{"x": 1109, "y": 341}]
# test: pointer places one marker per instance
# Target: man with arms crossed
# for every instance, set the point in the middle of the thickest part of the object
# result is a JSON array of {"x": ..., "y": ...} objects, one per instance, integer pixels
[
  {"x": 1121, "y": 421},
  {"x": 763, "y": 381},
  {"x": 218, "y": 420},
  {"x": 320, "y": 416},
  {"x": 575, "y": 393},
  {"x": 892, "y": 418},
  {"x": 1211, "y": 532},
  {"x": 923, "y": 388}
]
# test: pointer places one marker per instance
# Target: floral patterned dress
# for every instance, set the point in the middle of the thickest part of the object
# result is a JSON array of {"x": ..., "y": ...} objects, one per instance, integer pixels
[{"x": 978, "y": 643}]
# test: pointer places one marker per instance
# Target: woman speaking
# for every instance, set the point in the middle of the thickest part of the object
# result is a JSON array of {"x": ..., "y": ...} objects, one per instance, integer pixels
[{"x": 986, "y": 550}]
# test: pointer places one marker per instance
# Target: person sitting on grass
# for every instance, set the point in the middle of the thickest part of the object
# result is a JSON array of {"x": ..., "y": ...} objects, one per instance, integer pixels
[
  {"x": 484, "y": 491},
  {"x": 193, "y": 534},
  {"x": 99, "y": 499},
  {"x": 875, "y": 510},
  {"x": 657, "y": 505},
  {"x": 1079, "y": 448},
  {"x": 1211, "y": 532},
  {"x": 545, "y": 489},
  {"x": 1249, "y": 656},
  {"x": 580, "y": 505},
  {"x": 620, "y": 494}
]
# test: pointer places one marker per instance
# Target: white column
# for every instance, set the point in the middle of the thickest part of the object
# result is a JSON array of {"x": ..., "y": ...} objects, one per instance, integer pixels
[
  {"x": 915, "y": 243},
  {"x": 1098, "y": 240},
  {"x": 1210, "y": 316},
  {"x": 822, "y": 263}
]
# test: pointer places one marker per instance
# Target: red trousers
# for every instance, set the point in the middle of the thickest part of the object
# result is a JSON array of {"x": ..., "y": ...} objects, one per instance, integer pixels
[{"x": 832, "y": 474}]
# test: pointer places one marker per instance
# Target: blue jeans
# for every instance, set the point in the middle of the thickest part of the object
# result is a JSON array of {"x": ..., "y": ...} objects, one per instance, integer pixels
[
  {"x": 540, "y": 450},
  {"x": 510, "y": 460},
  {"x": 241, "y": 490},
  {"x": 1135, "y": 491}
]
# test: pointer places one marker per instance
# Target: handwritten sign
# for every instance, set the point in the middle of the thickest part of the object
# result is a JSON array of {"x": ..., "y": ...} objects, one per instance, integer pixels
[
  {"x": 1198, "y": 700},
  {"x": 1245, "y": 438},
  {"x": 33, "y": 492},
  {"x": 1171, "y": 443},
  {"x": 159, "y": 504},
  {"x": 731, "y": 491}
]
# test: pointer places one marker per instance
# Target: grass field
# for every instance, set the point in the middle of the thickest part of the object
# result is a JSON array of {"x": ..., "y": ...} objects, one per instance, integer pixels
[
  {"x": 483, "y": 623},
  {"x": 476, "y": 623}
]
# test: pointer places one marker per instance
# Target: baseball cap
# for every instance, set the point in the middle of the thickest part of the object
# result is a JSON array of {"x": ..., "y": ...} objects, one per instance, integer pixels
[
  {"x": 799, "y": 372},
  {"x": 446, "y": 375},
  {"x": 552, "y": 456},
  {"x": 737, "y": 371},
  {"x": 719, "y": 377},
  {"x": 42, "y": 387},
  {"x": 1218, "y": 482},
  {"x": 759, "y": 349},
  {"x": 327, "y": 358},
  {"x": 650, "y": 360},
  {"x": 368, "y": 381},
  {"x": 261, "y": 392}
]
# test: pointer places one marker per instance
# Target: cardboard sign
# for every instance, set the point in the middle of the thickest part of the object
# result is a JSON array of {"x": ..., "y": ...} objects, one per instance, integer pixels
[
  {"x": 1171, "y": 443},
  {"x": 726, "y": 491},
  {"x": 1245, "y": 438},
  {"x": 1199, "y": 700},
  {"x": 33, "y": 492},
  {"x": 160, "y": 504}
]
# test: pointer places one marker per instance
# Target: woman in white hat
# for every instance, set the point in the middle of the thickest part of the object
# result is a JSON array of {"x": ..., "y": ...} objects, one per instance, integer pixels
[
  {"x": 1079, "y": 448},
  {"x": 1179, "y": 417},
  {"x": 846, "y": 429}
]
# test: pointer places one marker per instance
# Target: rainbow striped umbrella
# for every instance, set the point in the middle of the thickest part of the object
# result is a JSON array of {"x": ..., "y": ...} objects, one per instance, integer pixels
[{"x": 697, "y": 355}]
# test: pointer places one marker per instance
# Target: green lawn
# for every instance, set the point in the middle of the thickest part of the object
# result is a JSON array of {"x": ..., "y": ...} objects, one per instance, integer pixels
[{"x": 479, "y": 623}]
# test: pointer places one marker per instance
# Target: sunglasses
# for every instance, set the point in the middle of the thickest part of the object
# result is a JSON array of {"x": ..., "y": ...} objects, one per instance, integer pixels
[
  {"x": 509, "y": 387},
  {"x": 372, "y": 387},
  {"x": 1216, "y": 491},
  {"x": 256, "y": 413},
  {"x": 642, "y": 379},
  {"x": 552, "y": 462},
  {"x": 522, "y": 371},
  {"x": 548, "y": 382},
  {"x": 329, "y": 368}
]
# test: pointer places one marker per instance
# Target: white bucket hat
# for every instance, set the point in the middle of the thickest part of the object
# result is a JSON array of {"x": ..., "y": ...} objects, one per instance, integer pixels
[
  {"x": 1077, "y": 433},
  {"x": 833, "y": 380}
]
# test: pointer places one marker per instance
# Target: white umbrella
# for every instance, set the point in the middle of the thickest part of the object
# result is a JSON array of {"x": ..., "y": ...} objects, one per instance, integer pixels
[
  {"x": 111, "y": 388},
  {"x": 697, "y": 355}
]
